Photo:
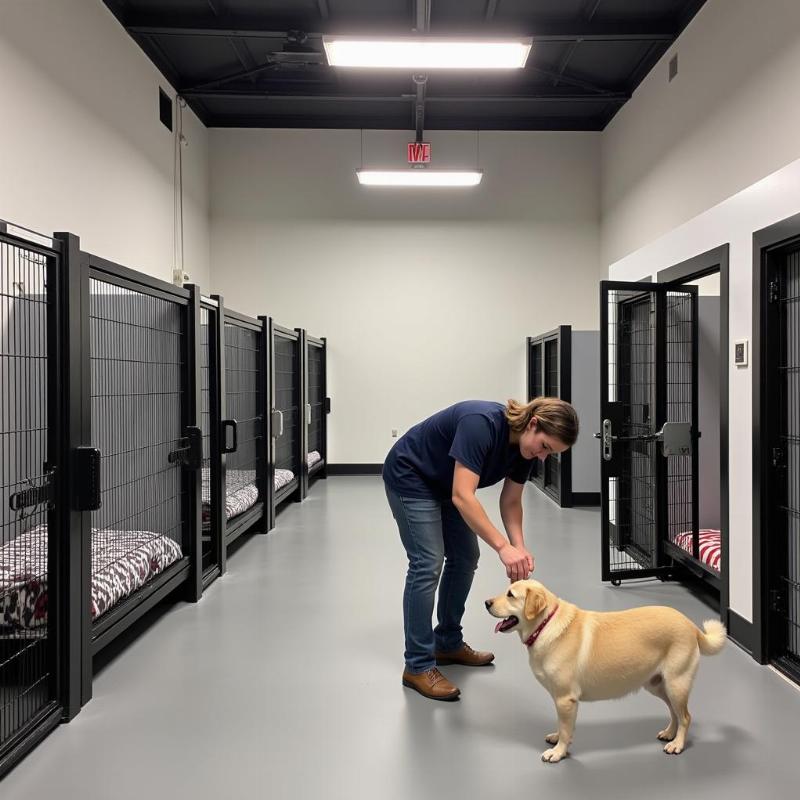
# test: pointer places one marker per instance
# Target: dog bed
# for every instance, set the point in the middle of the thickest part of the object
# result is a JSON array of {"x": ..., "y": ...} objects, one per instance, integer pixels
[
  {"x": 241, "y": 492},
  {"x": 312, "y": 458},
  {"x": 122, "y": 562},
  {"x": 283, "y": 477},
  {"x": 710, "y": 547}
]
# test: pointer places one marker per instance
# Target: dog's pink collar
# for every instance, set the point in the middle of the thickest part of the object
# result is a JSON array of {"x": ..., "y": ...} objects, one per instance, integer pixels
[{"x": 535, "y": 635}]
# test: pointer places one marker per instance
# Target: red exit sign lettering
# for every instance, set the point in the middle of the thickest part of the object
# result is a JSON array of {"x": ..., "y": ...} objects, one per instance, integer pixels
[{"x": 419, "y": 152}]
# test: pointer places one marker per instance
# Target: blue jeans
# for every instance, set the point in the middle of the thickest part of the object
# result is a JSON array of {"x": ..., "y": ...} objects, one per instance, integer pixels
[{"x": 434, "y": 534}]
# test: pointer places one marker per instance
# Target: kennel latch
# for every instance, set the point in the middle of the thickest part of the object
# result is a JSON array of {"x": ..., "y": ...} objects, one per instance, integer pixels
[
  {"x": 86, "y": 469},
  {"x": 675, "y": 438},
  {"x": 35, "y": 495},
  {"x": 190, "y": 452}
]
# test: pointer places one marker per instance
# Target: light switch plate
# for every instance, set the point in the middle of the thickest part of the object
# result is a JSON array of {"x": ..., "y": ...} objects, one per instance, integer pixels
[{"x": 740, "y": 352}]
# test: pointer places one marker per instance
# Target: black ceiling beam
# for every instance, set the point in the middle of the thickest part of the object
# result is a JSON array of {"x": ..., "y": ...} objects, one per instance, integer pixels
[
  {"x": 247, "y": 93},
  {"x": 383, "y": 122},
  {"x": 546, "y": 32}
]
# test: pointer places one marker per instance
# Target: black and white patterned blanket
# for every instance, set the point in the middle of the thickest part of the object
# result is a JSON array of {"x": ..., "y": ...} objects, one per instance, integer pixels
[
  {"x": 122, "y": 562},
  {"x": 283, "y": 477},
  {"x": 241, "y": 492}
]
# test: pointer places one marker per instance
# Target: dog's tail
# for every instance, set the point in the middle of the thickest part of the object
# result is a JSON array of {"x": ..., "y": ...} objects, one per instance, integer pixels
[{"x": 712, "y": 638}]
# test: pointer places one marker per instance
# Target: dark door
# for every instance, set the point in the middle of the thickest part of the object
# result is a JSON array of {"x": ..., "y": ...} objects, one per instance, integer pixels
[
  {"x": 32, "y": 564},
  {"x": 648, "y": 424},
  {"x": 782, "y": 441}
]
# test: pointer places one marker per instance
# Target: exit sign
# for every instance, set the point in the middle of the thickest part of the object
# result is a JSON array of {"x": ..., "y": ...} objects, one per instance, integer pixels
[{"x": 419, "y": 152}]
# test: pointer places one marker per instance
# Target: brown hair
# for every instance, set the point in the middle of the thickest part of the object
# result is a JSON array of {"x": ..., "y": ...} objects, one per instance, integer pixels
[{"x": 555, "y": 417}]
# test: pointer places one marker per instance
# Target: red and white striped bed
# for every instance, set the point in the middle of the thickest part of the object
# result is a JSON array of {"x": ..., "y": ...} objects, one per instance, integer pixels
[{"x": 710, "y": 547}]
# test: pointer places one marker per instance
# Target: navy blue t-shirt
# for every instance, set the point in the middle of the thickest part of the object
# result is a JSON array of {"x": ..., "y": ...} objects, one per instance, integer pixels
[{"x": 474, "y": 433}]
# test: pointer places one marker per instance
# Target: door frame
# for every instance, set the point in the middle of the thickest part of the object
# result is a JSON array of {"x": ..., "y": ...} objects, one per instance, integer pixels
[{"x": 699, "y": 266}]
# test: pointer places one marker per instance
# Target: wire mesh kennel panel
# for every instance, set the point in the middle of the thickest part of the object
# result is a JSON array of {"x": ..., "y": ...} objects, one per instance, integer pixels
[
  {"x": 629, "y": 486},
  {"x": 208, "y": 366},
  {"x": 785, "y": 530},
  {"x": 137, "y": 362},
  {"x": 245, "y": 406},
  {"x": 535, "y": 385},
  {"x": 316, "y": 398},
  {"x": 287, "y": 400},
  {"x": 31, "y": 533},
  {"x": 649, "y": 375},
  {"x": 549, "y": 375},
  {"x": 552, "y": 388},
  {"x": 681, "y": 406}
]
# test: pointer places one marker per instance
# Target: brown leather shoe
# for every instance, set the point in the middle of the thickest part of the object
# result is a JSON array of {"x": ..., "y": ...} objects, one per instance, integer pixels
[
  {"x": 431, "y": 684},
  {"x": 465, "y": 656}
]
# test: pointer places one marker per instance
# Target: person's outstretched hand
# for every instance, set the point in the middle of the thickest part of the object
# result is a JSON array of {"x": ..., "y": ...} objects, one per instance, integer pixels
[
  {"x": 517, "y": 561},
  {"x": 531, "y": 560}
]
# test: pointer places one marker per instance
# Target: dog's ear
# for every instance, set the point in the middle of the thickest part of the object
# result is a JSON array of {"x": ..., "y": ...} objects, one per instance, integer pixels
[{"x": 535, "y": 601}]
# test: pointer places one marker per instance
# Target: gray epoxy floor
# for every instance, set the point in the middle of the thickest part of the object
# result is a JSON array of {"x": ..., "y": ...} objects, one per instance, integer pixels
[{"x": 284, "y": 682}]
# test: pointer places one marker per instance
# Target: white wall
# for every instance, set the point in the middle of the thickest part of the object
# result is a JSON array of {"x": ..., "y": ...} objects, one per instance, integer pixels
[
  {"x": 426, "y": 297},
  {"x": 82, "y": 145},
  {"x": 770, "y": 200},
  {"x": 728, "y": 119}
]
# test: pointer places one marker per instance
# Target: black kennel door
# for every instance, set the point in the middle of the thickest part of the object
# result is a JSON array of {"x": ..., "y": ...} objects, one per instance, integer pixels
[
  {"x": 535, "y": 389},
  {"x": 648, "y": 377},
  {"x": 33, "y": 578},
  {"x": 783, "y": 440}
]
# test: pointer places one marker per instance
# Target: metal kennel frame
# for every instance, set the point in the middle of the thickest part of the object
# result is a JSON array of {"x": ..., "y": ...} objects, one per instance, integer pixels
[
  {"x": 288, "y": 428},
  {"x": 549, "y": 374},
  {"x": 318, "y": 406},
  {"x": 39, "y": 563},
  {"x": 648, "y": 425}
]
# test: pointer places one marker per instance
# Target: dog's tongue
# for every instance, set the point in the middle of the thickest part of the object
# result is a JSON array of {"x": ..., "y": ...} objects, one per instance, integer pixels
[{"x": 498, "y": 626}]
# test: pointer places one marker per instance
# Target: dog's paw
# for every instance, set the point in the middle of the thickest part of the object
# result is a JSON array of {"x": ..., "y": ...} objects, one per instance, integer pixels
[
  {"x": 552, "y": 738},
  {"x": 667, "y": 735},
  {"x": 553, "y": 755},
  {"x": 673, "y": 748}
]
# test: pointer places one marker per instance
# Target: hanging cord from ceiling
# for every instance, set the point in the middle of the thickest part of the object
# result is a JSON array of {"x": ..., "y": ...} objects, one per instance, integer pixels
[{"x": 180, "y": 142}]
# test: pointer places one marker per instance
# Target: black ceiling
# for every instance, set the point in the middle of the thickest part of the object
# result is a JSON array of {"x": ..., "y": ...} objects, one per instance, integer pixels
[{"x": 260, "y": 63}]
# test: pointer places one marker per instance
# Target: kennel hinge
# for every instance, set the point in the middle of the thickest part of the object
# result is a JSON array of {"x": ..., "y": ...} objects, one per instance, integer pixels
[
  {"x": 190, "y": 452},
  {"x": 774, "y": 291},
  {"x": 35, "y": 495},
  {"x": 777, "y": 601}
]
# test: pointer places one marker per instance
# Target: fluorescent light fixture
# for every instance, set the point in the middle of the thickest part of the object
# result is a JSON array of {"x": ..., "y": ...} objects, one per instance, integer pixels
[
  {"x": 418, "y": 177},
  {"x": 426, "y": 53}
]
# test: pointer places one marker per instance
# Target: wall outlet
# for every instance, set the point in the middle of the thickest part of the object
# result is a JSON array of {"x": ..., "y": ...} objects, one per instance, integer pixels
[{"x": 394, "y": 433}]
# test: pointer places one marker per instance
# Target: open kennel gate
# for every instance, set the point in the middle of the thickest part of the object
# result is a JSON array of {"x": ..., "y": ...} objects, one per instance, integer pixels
[{"x": 648, "y": 408}]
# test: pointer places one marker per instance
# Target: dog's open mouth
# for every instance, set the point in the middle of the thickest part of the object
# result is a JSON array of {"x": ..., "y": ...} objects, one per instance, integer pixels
[{"x": 506, "y": 624}]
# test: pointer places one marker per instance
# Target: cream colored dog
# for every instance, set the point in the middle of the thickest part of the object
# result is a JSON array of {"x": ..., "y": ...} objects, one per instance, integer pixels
[{"x": 590, "y": 655}]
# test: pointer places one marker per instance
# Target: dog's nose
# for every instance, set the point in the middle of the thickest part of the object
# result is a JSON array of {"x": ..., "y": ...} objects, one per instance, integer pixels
[{"x": 489, "y": 604}]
